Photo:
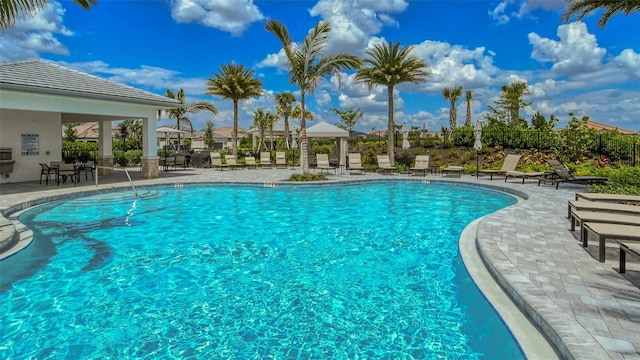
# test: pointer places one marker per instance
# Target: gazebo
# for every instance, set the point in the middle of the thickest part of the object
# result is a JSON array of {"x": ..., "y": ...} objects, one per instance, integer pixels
[{"x": 326, "y": 130}]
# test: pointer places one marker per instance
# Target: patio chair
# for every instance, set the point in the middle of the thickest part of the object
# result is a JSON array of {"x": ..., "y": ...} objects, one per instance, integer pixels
[
  {"x": 68, "y": 171},
  {"x": 265, "y": 159},
  {"x": 537, "y": 175},
  {"x": 509, "y": 164},
  {"x": 384, "y": 164},
  {"x": 47, "y": 171},
  {"x": 628, "y": 247},
  {"x": 89, "y": 167},
  {"x": 561, "y": 174},
  {"x": 250, "y": 162},
  {"x": 180, "y": 160},
  {"x": 355, "y": 163},
  {"x": 323, "y": 163},
  {"x": 281, "y": 160},
  {"x": 621, "y": 209},
  {"x": 456, "y": 170},
  {"x": 613, "y": 198},
  {"x": 601, "y": 217},
  {"x": 604, "y": 231},
  {"x": 216, "y": 161},
  {"x": 231, "y": 162},
  {"x": 422, "y": 164}
]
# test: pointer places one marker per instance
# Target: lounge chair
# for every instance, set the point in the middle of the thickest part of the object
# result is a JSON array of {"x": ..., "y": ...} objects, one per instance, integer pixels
[
  {"x": 562, "y": 175},
  {"x": 509, "y": 164},
  {"x": 537, "y": 175},
  {"x": 604, "y": 231},
  {"x": 452, "y": 170},
  {"x": 422, "y": 164},
  {"x": 265, "y": 159},
  {"x": 216, "y": 161},
  {"x": 250, "y": 162},
  {"x": 621, "y": 209},
  {"x": 627, "y": 247},
  {"x": 384, "y": 164},
  {"x": 231, "y": 162},
  {"x": 323, "y": 163},
  {"x": 613, "y": 198},
  {"x": 281, "y": 160},
  {"x": 601, "y": 217},
  {"x": 355, "y": 163}
]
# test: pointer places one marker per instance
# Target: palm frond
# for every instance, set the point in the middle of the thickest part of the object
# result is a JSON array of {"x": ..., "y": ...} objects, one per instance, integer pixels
[
  {"x": 12, "y": 10},
  {"x": 582, "y": 8}
]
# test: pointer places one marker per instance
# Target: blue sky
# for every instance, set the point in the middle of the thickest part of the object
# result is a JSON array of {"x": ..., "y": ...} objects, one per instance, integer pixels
[{"x": 481, "y": 45}]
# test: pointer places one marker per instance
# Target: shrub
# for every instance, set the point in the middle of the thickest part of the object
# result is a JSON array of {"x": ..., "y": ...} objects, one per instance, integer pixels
[{"x": 307, "y": 177}]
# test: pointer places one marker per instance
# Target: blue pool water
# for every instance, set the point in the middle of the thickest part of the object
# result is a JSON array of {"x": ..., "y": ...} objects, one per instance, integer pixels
[{"x": 368, "y": 270}]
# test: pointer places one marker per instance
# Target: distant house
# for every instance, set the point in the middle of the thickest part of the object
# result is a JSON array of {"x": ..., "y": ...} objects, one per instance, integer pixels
[
  {"x": 605, "y": 127},
  {"x": 221, "y": 138}
]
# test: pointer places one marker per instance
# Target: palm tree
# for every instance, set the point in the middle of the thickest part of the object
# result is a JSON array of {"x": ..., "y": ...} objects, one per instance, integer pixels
[
  {"x": 271, "y": 120},
  {"x": 307, "y": 67},
  {"x": 513, "y": 94},
  {"x": 582, "y": 8},
  {"x": 180, "y": 113},
  {"x": 452, "y": 95},
  {"x": 390, "y": 65},
  {"x": 236, "y": 83},
  {"x": 468, "y": 97},
  {"x": 284, "y": 107},
  {"x": 12, "y": 10},
  {"x": 260, "y": 122}
]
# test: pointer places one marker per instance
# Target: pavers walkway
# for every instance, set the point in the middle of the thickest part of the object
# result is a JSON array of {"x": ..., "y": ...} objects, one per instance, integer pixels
[{"x": 584, "y": 307}]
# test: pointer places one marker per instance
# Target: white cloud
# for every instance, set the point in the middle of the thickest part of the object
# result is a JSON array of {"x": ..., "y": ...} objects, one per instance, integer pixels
[
  {"x": 34, "y": 36},
  {"x": 452, "y": 65},
  {"x": 233, "y": 16},
  {"x": 576, "y": 52},
  {"x": 507, "y": 10},
  {"x": 353, "y": 22}
]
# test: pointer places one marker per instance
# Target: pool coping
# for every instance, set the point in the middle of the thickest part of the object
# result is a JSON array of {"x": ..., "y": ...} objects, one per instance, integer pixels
[{"x": 561, "y": 328}]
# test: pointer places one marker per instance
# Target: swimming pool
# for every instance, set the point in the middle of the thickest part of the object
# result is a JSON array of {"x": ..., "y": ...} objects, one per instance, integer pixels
[{"x": 368, "y": 270}]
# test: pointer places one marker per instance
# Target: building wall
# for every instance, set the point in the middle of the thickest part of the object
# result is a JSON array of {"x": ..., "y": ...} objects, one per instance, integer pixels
[{"x": 14, "y": 123}]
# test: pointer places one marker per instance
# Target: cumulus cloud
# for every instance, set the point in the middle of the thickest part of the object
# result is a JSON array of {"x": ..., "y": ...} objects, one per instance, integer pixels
[
  {"x": 353, "y": 22},
  {"x": 233, "y": 16},
  {"x": 576, "y": 52},
  {"x": 36, "y": 35},
  {"x": 452, "y": 65},
  {"x": 507, "y": 10}
]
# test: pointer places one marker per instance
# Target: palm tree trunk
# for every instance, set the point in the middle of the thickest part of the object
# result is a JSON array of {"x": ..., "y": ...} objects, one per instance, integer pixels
[
  {"x": 304, "y": 161},
  {"x": 234, "y": 135},
  {"x": 271, "y": 136},
  {"x": 468, "y": 120},
  {"x": 452, "y": 117},
  {"x": 390, "y": 127},
  {"x": 286, "y": 132}
]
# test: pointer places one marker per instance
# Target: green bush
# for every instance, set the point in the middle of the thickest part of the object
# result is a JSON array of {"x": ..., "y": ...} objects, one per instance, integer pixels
[{"x": 307, "y": 177}]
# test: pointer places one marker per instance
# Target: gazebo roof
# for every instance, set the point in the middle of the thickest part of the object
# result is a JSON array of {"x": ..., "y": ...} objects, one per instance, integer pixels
[{"x": 324, "y": 129}]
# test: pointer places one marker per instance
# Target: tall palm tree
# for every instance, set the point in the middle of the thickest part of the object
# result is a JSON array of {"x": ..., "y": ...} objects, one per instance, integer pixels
[
  {"x": 582, "y": 8},
  {"x": 236, "y": 83},
  {"x": 260, "y": 122},
  {"x": 180, "y": 114},
  {"x": 452, "y": 95},
  {"x": 389, "y": 64},
  {"x": 467, "y": 99},
  {"x": 12, "y": 10},
  {"x": 284, "y": 107},
  {"x": 307, "y": 67}
]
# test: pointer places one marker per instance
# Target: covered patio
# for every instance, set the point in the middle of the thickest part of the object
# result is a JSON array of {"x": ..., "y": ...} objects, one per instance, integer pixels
[{"x": 40, "y": 97}]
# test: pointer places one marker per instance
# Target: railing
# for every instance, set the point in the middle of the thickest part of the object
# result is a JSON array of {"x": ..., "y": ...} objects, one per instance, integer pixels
[{"x": 125, "y": 171}]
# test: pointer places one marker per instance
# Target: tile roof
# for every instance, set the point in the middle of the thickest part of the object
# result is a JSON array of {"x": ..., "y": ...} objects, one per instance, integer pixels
[
  {"x": 47, "y": 77},
  {"x": 605, "y": 127}
]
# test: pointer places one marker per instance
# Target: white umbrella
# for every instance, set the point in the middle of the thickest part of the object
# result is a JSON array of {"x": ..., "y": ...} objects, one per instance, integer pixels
[
  {"x": 405, "y": 138},
  {"x": 477, "y": 131}
]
